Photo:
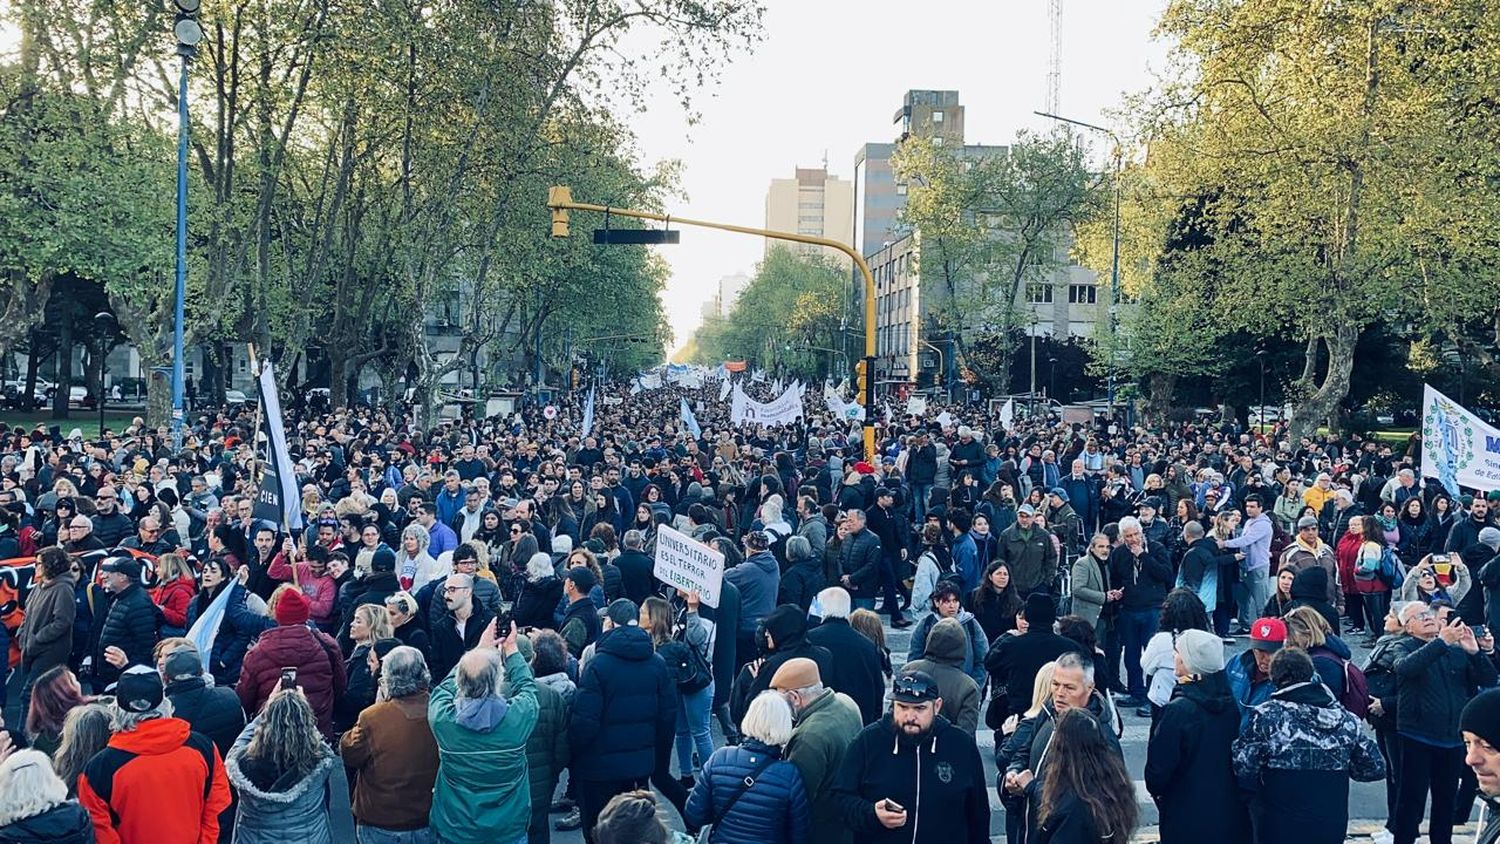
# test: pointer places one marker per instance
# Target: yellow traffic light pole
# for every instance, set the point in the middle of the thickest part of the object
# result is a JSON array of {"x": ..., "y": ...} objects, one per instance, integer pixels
[{"x": 560, "y": 200}]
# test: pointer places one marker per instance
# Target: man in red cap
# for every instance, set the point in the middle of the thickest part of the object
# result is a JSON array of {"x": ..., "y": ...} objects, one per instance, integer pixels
[
  {"x": 293, "y": 650},
  {"x": 1250, "y": 672}
]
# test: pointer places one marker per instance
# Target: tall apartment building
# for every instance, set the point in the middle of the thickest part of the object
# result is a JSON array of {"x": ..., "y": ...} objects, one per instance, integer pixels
[{"x": 813, "y": 202}]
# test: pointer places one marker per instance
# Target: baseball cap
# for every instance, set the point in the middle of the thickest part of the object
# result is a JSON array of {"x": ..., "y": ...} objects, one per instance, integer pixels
[
  {"x": 623, "y": 612},
  {"x": 1062, "y": 494},
  {"x": 128, "y": 566},
  {"x": 138, "y": 689},
  {"x": 185, "y": 663},
  {"x": 1267, "y": 634},
  {"x": 914, "y": 687},
  {"x": 1026, "y": 510}
]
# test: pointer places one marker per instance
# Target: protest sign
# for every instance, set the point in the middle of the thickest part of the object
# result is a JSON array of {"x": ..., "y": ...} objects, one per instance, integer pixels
[{"x": 687, "y": 564}]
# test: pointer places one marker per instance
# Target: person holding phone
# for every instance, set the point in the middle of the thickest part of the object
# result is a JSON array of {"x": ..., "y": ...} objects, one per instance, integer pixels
[
  {"x": 1425, "y": 580},
  {"x": 878, "y": 785}
]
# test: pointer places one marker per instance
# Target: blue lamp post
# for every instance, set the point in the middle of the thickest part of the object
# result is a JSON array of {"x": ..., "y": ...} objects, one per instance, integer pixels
[{"x": 189, "y": 33}]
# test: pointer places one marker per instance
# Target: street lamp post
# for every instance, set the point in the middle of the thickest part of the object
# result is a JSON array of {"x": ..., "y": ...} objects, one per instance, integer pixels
[
  {"x": 1260, "y": 355},
  {"x": 1114, "y": 261},
  {"x": 189, "y": 33},
  {"x": 1052, "y": 378},
  {"x": 104, "y": 324}
]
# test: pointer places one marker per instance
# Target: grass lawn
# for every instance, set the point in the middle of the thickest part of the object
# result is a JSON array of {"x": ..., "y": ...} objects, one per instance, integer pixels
[{"x": 85, "y": 420}]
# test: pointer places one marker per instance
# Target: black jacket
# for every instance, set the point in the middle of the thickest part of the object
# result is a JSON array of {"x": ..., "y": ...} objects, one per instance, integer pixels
[
  {"x": 1433, "y": 682},
  {"x": 1310, "y": 589},
  {"x": 214, "y": 711},
  {"x": 1015, "y": 660},
  {"x": 447, "y": 648},
  {"x": 921, "y": 464},
  {"x": 856, "y": 669},
  {"x": 726, "y": 644},
  {"x": 1189, "y": 770},
  {"x": 65, "y": 823},
  {"x": 111, "y": 530},
  {"x": 130, "y": 625},
  {"x": 787, "y": 627},
  {"x": 859, "y": 558},
  {"x": 536, "y": 602},
  {"x": 636, "y": 580},
  {"x": 626, "y": 703},
  {"x": 1146, "y": 585},
  {"x": 940, "y": 781},
  {"x": 801, "y": 583}
]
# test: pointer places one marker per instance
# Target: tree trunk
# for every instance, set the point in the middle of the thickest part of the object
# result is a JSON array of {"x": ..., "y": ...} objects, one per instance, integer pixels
[
  {"x": 1319, "y": 406},
  {"x": 64, "y": 367},
  {"x": 33, "y": 363},
  {"x": 1159, "y": 393},
  {"x": 158, "y": 395}
]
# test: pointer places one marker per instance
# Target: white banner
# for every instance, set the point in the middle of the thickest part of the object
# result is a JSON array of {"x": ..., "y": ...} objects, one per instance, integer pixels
[
  {"x": 1458, "y": 448},
  {"x": 1008, "y": 414},
  {"x": 687, "y": 564},
  {"x": 783, "y": 410},
  {"x": 280, "y": 498},
  {"x": 916, "y": 406},
  {"x": 724, "y": 388}
]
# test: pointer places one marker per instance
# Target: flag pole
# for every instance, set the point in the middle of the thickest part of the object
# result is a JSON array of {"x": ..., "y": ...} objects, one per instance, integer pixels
[{"x": 257, "y": 472}]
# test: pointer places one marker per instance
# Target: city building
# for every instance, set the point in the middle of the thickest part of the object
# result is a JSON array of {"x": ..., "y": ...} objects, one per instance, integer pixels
[{"x": 814, "y": 202}]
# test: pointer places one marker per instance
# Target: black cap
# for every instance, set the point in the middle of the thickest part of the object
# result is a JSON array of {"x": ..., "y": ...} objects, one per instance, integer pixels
[
  {"x": 384, "y": 559},
  {"x": 128, "y": 566},
  {"x": 138, "y": 689},
  {"x": 914, "y": 687}
]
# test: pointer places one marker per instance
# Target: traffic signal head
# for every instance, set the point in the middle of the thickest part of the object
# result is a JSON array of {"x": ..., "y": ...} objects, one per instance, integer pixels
[{"x": 559, "y": 196}]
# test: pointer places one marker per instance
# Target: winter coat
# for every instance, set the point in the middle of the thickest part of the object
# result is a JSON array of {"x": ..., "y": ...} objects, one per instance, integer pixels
[
  {"x": 580, "y": 625},
  {"x": 359, "y": 689},
  {"x": 773, "y": 809},
  {"x": 173, "y": 599},
  {"x": 947, "y": 649},
  {"x": 1070, "y": 822},
  {"x": 1145, "y": 579},
  {"x": 1200, "y": 570},
  {"x": 1310, "y": 589},
  {"x": 787, "y": 627},
  {"x": 1015, "y": 660},
  {"x": 859, "y": 560},
  {"x": 940, "y": 781},
  {"x": 1090, "y": 581},
  {"x": 626, "y": 703},
  {"x": 447, "y": 646},
  {"x": 825, "y": 729},
  {"x": 802, "y": 582},
  {"x": 976, "y": 646},
  {"x": 320, "y": 670},
  {"x": 1248, "y": 691},
  {"x": 1026, "y": 750},
  {"x": 1301, "y": 558},
  {"x": 392, "y": 748},
  {"x": 547, "y": 751},
  {"x": 482, "y": 794},
  {"x": 239, "y": 628},
  {"x": 1297, "y": 756},
  {"x": 533, "y": 607},
  {"x": 130, "y": 773},
  {"x": 1032, "y": 559},
  {"x": 1434, "y": 680},
  {"x": 758, "y": 579},
  {"x": 214, "y": 711},
  {"x": 856, "y": 669},
  {"x": 726, "y": 646},
  {"x": 46, "y": 633},
  {"x": 130, "y": 625},
  {"x": 310, "y": 810},
  {"x": 1188, "y": 765},
  {"x": 65, "y": 823}
]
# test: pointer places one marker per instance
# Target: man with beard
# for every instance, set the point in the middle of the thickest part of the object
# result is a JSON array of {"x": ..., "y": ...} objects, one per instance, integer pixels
[
  {"x": 912, "y": 776},
  {"x": 1465, "y": 532}
]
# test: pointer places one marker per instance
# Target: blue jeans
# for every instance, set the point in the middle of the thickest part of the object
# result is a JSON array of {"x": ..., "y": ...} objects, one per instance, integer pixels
[
  {"x": 919, "y": 495},
  {"x": 692, "y": 728},
  {"x": 375, "y": 835},
  {"x": 1136, "y": 628},
  {"x": 1257, "y": 586}
]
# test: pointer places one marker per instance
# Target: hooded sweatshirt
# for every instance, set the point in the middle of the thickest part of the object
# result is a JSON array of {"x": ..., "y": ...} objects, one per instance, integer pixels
[
  {"x": 939, "y": 780},
  {"x": 1310, "y": 589},
  {"x": 1189, "y": 763},
  {"x": 947, "y": 650}
]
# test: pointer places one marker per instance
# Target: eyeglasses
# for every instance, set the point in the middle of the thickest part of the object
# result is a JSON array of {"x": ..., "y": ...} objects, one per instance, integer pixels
[{"x": 451, "y": 589}]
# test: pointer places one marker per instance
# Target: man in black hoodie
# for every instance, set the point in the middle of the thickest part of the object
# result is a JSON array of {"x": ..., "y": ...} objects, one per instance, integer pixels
[
  {"x": 914, "y": 777},
  {"x": 1014, "y": 661}
]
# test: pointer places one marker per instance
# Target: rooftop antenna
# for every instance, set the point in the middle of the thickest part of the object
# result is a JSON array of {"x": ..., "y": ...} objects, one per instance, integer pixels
[{"x": 1054, "y": 60}]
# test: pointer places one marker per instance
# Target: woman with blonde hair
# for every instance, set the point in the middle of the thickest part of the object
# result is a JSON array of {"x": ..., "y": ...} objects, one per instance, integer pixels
[
  {"x": 1015, "y": 804},
  {"x": 86, "y": 731},
  {"x": 34, "y": 804},
  {"x": 1306, "y": 628},
  {"x": 291, "y": 785},
  {"x": 174, "y": 593}
]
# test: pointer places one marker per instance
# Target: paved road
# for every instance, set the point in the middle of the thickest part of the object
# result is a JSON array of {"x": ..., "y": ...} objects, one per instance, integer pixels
[{"x": 1366, "y": 800}]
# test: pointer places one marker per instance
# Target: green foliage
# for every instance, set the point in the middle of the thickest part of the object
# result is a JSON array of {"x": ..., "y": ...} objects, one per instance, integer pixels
[{"x": 789, "y": 314}]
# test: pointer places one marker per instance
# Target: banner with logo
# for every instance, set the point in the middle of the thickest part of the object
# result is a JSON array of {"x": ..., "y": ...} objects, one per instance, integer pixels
[
  {"x": 783, "y": 410},
  {"x": 1458, "y": 448}
]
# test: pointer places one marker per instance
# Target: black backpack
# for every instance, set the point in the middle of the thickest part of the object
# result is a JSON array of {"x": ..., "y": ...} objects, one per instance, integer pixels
[{"x": 687, "y": 666}]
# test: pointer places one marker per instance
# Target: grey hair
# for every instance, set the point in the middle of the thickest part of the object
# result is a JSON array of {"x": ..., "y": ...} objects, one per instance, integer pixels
[
  {"x": 768, "y": 719},
  {"x": 403, "y": 672},
  {"x": 562, "y": 544},
  {"x": 424, "y": 539},
  {"x": 798, "y": 549},
  {"x": 1073, "y": 659},
  {"x": 634, "y": 540},
  {"x": 540, "y": 566},
  {"x": 1129, "y": 523},
  {"x": 28, "y": 786},
  {"x": 835, "y": 602},
  {"x": 1193, "y": 529},
  {"x": 122, "y": 721},
  {"x": 810, "y": 693},
  {"x": 481, "y": 683}
]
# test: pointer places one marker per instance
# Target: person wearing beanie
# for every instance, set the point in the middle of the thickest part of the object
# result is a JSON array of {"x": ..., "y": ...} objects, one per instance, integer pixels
[
  {"x": 293, "y": 646},
  {"x": 1015, "y": 660},
  {"x": 782, "y": 637},
  {"x": 1189, "y": 771},
  {"x": 1480, "y": 726}
]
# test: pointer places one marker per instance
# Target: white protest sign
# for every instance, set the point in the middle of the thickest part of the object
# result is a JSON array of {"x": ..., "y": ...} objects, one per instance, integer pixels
[
  {"x": 783, "y": 410},
  {"x": 689, "y": 565}
]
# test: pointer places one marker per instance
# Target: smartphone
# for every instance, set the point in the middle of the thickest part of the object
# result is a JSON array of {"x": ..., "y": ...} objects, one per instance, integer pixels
[
  {"x": 1480, "y": 631},
  {"x": 289, "y": 677},
  {"x": 1440, "y": 558},
  {"x": 893, "y": 806}
]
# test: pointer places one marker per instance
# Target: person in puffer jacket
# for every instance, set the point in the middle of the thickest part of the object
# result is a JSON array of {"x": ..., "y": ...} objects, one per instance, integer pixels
[
  {"x": 547, "y": 751},
  {"x": 291, "y": 785},
  {"x": 774, "y": 808},
  {"x": 293, "y": 644},
  {"x": 1298, "y": 754}
]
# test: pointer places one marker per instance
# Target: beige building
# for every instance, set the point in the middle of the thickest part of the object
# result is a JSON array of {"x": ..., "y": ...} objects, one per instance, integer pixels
[{"x": 813, "y": 203}]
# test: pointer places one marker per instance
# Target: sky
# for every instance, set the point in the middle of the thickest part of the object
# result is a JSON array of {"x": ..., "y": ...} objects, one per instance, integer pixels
[{"x": 830, "y": 74}]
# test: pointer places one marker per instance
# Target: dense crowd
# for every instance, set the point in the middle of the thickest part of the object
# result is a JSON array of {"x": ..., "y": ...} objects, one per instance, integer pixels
[{"x": 467, "y": 635}]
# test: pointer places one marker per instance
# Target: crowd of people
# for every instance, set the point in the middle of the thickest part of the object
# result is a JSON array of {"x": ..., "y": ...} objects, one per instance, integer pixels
[{"x": 466, "y": 640}]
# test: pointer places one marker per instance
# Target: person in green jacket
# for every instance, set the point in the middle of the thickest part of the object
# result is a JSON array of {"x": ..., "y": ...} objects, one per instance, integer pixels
[
  {"x": 481, "y": 795},
  {"x": 827, "y": 722}
]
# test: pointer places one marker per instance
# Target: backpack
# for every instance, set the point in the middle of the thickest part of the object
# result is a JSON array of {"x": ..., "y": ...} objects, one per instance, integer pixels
[
  {"x": 1368, "y": 570},
  {"x": 686, "y": 664},
  {"x": 1356, "y": 696}
]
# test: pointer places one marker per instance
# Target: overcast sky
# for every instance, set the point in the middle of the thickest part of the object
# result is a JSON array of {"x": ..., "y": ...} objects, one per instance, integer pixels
[{"x": 831, "y": 73}]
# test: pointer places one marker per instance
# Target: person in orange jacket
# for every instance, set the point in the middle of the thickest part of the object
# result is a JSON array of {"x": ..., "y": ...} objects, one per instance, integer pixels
[{"x": 157, "y": 781}]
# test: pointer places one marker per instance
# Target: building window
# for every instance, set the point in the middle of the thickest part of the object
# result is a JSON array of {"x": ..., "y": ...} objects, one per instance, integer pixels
[
  {"x": 937, "y": 117},
  {"x": 937, "y": 141},
  {"x": 1039, "y": 293},
  {"x": 1083, "y": 294}
]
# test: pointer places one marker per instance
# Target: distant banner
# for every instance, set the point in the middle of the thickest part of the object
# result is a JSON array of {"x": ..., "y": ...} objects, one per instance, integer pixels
[
  {"x": 783, "y": 410},
  {"x": 1008, "y": 415},
  {"x": 1458, "y": 448},
  {"x": 689, "y": 565},
  {"x": 588, "y": 413},
  {"x": 916, "y": 406}
]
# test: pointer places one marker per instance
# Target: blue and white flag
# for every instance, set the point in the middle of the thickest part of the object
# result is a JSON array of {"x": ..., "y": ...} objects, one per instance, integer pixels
[
  {"x": 1458, "y": 448},
  {"x": 689, "y": 420},
  {"x": 588, "y": 413}
]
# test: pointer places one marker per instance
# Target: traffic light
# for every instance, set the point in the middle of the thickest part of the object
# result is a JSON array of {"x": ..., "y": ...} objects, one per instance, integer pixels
[
  {"x": 559, "y": 195},
  {"x": 861, "y": 378}
]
